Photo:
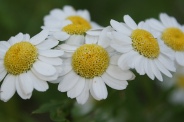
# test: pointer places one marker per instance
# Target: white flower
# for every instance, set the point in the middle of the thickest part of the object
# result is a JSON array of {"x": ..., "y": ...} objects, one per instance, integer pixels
[
  {"x": 68, "y": 23},
  {"x": 141, "y": 49},
  {"x": 27, "y": 63},
  {"x": 91, "y": 65},
  {"x": 176, "y": 83},
  {"x": 172, "y": 34}
]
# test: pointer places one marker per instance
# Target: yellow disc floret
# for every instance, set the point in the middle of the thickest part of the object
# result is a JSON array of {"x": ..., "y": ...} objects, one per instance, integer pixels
[
  {"x": 78, "y": 27},
  {"x": 144, "y": 43},
  {"x": 20, "y": 57},
  {"x": 174, "y": 38},
  {"x": 90, "y": 60},
  {"x": 180, "y": 81}
]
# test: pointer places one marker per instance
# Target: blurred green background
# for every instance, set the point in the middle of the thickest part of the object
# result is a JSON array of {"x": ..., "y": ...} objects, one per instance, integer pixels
[{"x": 144, "y": 100}]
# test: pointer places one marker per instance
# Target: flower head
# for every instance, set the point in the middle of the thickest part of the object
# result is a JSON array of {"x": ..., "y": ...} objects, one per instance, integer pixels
[
  {"x": 88, "y": 66},
  {"x": 172, "y": 35},
  {"x": 141, "y": 49},
  {"x": 176, "y": 83},
  {"x": 27, "y": 63},
  {"x": 68, "y": 23}
]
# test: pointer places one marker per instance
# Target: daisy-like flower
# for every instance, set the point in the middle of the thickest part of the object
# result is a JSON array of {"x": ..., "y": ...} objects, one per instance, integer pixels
[
  {"x": 89, "y": 66},
  {"x": 27, "y": 63},
  {"x": 68, "y": 23},
  {"x": 141, "y": 49},
  {"x": 172, "y": 34},
  {"x": 177, "y": 85}
]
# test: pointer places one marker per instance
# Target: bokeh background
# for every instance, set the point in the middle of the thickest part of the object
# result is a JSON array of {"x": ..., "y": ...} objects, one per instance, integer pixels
[{"x": 144, "y": 100}]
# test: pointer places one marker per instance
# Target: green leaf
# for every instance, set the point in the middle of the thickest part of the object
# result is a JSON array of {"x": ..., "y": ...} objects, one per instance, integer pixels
[{"x": 47, "y": 107}]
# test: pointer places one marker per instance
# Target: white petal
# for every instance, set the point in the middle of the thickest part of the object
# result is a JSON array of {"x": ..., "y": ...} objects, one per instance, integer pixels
[
  {"x": 124, "y": 60},
  {"x": 49, "y": 60},
  {"x": 120, "y": 48},
  {"x": 61, "y": 35},
  {"x": 47, "y": 44},
  {"x": 162, "y": 68},
  {"x": 2, "y": 74},
  {"x": 177, "y": 96},
  {"x": 95, "y": 32},
  {"x": 99, "y": 88},
  {"x": 84, "y": 13},
  {"x": 156, "y": 24},
  {"x": 25, "y": 82},
  {"x": 83, "y": 97},
  {"x": 166, "y": 20},
  {"x": 91, "y": 89},
  {"x": 123, "y": 39},
  {"x": 8, "y": 88},
  {"x": 39, "y": 37},
  {"x": 114, "y": 83},
  {"x": 51, "y": 53},
  {"x": 139, "y": 65},
  {"x": 148, "y": 70},
  {"x": 67, "y": 47},
  {"x": 75, "y": 40},
  {"x": 69, "y": 10},
  {"x": 66, "y": 66},
  {"x": 68, "y": 82},
  {"x": 66, "y": 69},
  {"x": 156, "y": 71},
  {"x": 43, "y": 77},
  {"x": 104, "y": 40},
  {"x": 2, "y": 68},
  {"x": 44, "y": 68},
  {"x": 180, "y": 58},
  {"x": 2, "y": 54},
  {"x": 51, "y": 24},
  {"x": 26, "y": 37},
  {"x": 67, "y": 54},
  {"x": 77, "y": 89},
  {"x": 91, "y": 39},
  {"x": 119, "y": 74},
  {"x": 38, "y": 84},
  {"x": 130, "y": 22},
  {"x": 20, "y": 36},
  {"x": 166, "y": 63},
  {"x": 14, "y": 40},
  {"x": 57, "y": 13},
  {"x": 20, "y": 90},
  {"x": 120, "y": 27},
  {"x": 3, "y": 46},
  {"x": 58, "y": 80},
  {"x": 114, "y": 59},
  {"x": 174, "y": 22}
]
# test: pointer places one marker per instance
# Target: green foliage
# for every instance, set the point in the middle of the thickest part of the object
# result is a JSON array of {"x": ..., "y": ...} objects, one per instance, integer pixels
[
  {"x": 144, "y": 100},
  {"x": 59, "y": 110}
]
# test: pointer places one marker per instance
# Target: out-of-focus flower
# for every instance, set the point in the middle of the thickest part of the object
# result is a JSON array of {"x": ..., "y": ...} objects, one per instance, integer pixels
[
  {"x": 177, "y": 83},
  {"x": 27, "y": 63},
  {"x": 68, "y": 23},
  {"x": 172, "y": 34},
  {"x": 141, "y": 49}
]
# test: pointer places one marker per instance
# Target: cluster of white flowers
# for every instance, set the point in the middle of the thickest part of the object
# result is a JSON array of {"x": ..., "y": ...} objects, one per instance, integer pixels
[{"x": 83, "y": 57}]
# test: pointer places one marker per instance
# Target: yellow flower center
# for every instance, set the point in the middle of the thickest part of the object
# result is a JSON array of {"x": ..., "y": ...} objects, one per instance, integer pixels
[
  {"x": 180, "y": 81},
  {"x": 90, "y": 60},
  {"x": 144, "y": 43},
  {"x": 78, "y": 27},
  {"x": 174, "y": 38},
  {"x": 20, "y": 58}
]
